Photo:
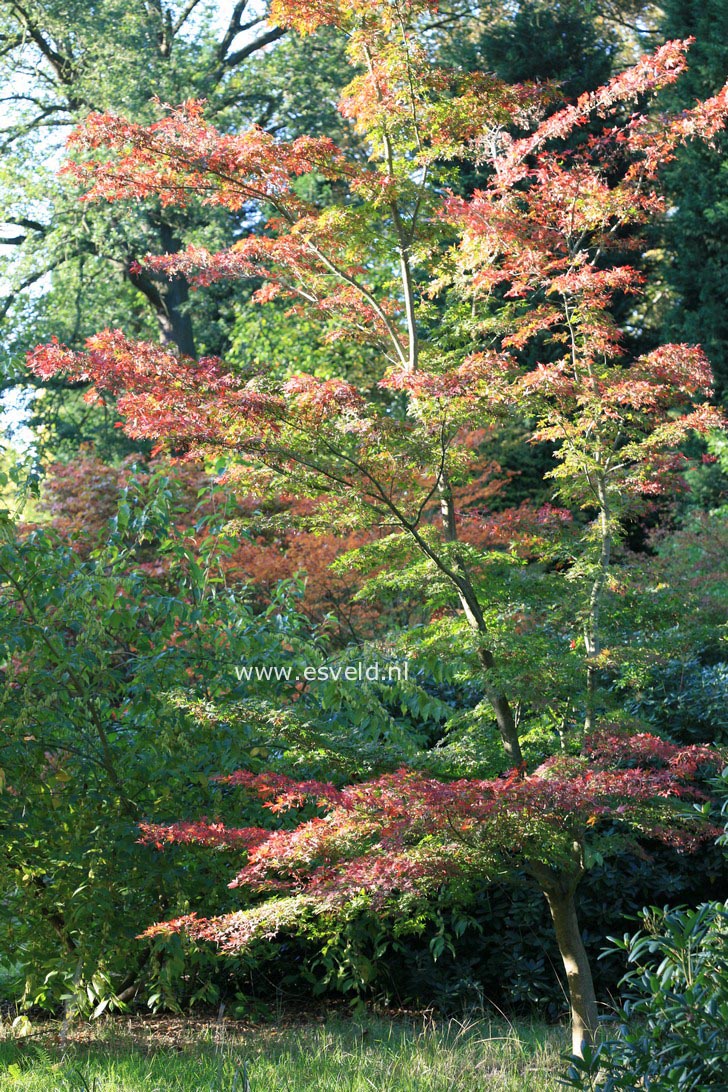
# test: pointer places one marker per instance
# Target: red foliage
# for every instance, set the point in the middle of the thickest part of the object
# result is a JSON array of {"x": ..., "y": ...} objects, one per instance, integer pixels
[
  {"x": 82, "y": 496},
  {"x": 182, "y": 156},
  {"x": 269, "y": 557},
  {"x": 544, "y": 230},
  {"x": 538, "y": 229},
  {"x": 403, "y": 833},
  {"x": 201, "y": 833},
  {"x": 306, "y": 16}
]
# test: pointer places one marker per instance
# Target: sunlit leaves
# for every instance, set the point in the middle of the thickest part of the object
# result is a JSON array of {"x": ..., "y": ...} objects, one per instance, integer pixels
[{"x": 405, "y": 834}]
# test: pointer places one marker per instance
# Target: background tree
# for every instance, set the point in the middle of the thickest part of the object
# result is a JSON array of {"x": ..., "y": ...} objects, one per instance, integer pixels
[
  {"x": 71, "y": 269},
  {"x": 697, "y": 186}
]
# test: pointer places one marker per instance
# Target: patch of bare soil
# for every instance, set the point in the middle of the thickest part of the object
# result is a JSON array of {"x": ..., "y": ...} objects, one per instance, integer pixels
[{"x": 151, "y": 1033}]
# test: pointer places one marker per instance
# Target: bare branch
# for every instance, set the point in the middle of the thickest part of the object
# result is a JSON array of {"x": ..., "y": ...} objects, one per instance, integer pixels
[
  {"x": 240, "y": 55},
  {"x": 43, "y": 120},
  {"x": 184, "y": 16},
  {"x": 232, "y": 30},
  {"x": 30, "y": 225},
  {"x": 63, "y": 66},
  {"x": 9, "y": 44},
  {"x": 10, "y": 299}
]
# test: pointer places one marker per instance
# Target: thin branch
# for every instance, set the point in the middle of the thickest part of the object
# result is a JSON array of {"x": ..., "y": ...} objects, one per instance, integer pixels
[
  {"x": 381, "y": 314},
  {"x": 9, "y": 44},
  {"x": 10, "y": 299},
  {"x": 404, "y": 238},
  {"x": 41, "y": 121},
  {"x": 57, "y": 745},
  {"x": 184, "y": 16}
]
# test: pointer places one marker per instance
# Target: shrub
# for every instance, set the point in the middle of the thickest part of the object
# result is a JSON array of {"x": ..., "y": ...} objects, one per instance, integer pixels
[{"x": 672, "y": 1031}]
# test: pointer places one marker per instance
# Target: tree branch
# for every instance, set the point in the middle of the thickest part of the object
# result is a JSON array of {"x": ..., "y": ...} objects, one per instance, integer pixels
[
  {"x": 36, "y": 122},
  {"x": 233, "y": 28},
  {"x": 64, "y": 67},
  {"x": 240, "y": 55},
  {"x": 30, "y": 225},
  {"x": 9, "y": 300},
  {"x": 183, "y": 16}
]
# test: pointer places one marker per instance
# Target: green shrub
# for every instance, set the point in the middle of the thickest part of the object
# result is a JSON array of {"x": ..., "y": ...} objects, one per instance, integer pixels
[
  {"x": 687, "y": 701},
  {"x": 672, "y": 1030}
]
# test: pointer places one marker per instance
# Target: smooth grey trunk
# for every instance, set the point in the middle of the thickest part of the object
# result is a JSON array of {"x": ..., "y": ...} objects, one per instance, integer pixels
[
  {"x": 409, "y": 293},
  {"x": 560, "y": 892}
]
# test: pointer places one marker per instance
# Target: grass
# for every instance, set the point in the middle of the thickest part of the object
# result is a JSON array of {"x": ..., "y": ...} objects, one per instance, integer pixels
[{"x": 391, "y": 1055}]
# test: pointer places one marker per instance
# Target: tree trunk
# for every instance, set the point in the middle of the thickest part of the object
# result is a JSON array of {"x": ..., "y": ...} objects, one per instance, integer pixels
[
  {"x": 583, "y": 1001},
  {"x": 174, "y": 319},
  {"x": 474, "y": 616},
  {"x": 592, "y": 636},
  {"x": 168, "y": 298},
  {"x": 503, "y": 714}
]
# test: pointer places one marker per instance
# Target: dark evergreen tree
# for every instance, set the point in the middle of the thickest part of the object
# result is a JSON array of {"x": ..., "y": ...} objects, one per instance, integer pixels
[
  {"x": 560, "y": 41},
  {"x": 696, "y": 228}
]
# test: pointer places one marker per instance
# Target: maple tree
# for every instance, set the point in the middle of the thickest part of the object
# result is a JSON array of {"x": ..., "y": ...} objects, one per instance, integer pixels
[
  {"x": 391, "y": 842},
  {"x": 452, "y": 292}
]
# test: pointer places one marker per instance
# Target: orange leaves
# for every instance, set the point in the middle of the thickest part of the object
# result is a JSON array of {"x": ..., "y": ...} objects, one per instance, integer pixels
[
  {"x": 48, "y": 360},
  {"x": 114, "y": 363},
  {"x": 314, "y": 399},
  {"x": 543, "y": 232},
  {"x": 307, "y": 16},
  {"x": 479, "y": 374},
  {"x": 383, "y": 258},
  {"x": 551, "y": 216},
  {"x": 542, "y": 229},
  {"x": 202, "y": 833},
  {"x": 682, "y": 368},
  {"x": 181, "y": 157},
  {"x": 280, "y": 793},
  {"x": 525, "y": 532},
  {"x": 161, "y": 394},
  {"x": 655, "y": 140},
  {"x": 651, "y": 73}
]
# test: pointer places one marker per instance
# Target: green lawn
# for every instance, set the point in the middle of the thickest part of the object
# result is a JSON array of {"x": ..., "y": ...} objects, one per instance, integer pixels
[{"x": 401, "y": 1055}]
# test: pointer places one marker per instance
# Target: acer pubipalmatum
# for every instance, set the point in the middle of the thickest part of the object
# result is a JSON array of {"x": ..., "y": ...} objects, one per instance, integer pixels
[{"x": 454, "y": 293}]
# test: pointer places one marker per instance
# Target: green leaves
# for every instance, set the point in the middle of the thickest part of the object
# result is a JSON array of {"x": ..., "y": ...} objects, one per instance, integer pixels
[
  {"x": 92, "y": 652},
  {"x": 672, "y": 1023}
]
